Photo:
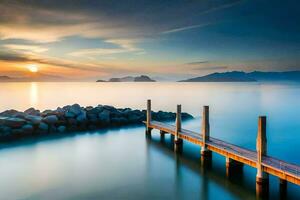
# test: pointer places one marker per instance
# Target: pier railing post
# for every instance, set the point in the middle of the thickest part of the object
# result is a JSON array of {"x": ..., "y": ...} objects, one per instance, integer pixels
[
  {"x": 177, "y": 140},
  {"x": 148, "y": 120},
  {"x": 205, "y": 131},
  {"x": 262, "y": 178}
]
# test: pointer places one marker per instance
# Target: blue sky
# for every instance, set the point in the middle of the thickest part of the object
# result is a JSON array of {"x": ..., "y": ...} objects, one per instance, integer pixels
[{"x": 168, "y": 39}]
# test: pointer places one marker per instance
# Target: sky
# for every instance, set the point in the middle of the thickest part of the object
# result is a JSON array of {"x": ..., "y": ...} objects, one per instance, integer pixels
[{"x": 165, "y": 39}]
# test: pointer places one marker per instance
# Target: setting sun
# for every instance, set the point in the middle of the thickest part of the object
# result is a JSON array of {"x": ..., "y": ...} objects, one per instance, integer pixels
[{"x": 33, "y": 68}]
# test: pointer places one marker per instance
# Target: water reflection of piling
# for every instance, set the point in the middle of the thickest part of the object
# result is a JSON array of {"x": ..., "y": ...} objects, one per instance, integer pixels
[
  {"x": 283, "y": 189},
  {"x": 162, "y": 136}
]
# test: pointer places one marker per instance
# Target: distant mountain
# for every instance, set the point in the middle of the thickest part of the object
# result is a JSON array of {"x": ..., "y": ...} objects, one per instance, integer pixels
[
  {"x": 141, "y": 78},
  {"x": 5, "y": 78},
  {"x": 222, "y": 77},
  {"x": 236, "y": 76},
  {"x": 34, "y": 77},
  {"x": 275, "y": 76}
]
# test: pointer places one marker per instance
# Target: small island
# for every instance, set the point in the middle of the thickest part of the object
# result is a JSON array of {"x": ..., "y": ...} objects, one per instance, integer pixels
[{"x": 142, "y": 78}]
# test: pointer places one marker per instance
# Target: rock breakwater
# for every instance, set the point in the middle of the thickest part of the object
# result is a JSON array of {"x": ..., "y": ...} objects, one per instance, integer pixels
[{"x": 15, "y": 124}]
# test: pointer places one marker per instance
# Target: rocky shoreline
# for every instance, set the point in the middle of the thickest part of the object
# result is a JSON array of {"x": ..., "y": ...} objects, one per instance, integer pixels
[{"x": 15, "y": 124}]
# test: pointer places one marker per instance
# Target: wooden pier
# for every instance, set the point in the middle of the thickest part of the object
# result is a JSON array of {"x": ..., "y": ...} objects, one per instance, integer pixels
[{"x": 235, "y": 155}]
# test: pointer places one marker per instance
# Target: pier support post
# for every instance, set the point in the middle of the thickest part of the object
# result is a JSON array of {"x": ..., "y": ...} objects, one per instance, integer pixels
[
  {"x": 205, "y": 132},
  {"x": 262, "y": 178},
  {"x": 162, "y": 136},
  {"x": 233, "y": 167},
  {"x": 177, "y": 141},
  {"x": 282, "y": 188},
  {"x": 148, "y": 121}
]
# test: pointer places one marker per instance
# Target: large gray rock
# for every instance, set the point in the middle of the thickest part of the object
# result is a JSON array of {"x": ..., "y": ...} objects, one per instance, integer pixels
[
  {"x": 133, "y": 118},
  {"x": 119, "y": 121},
  {"x": 34, "y": 119},
  {"x": 104, "y": 117},
  {"x": 43, "y": 128},
  {"x": 27, "y": 129},
  {"x": 81, "y": 117},
  {"x": 12, "y": 122},
  {"x": 9, "y": 113},
  {"x": 51, "y": 119},
  {"x": 32, "y": 111},
  {"x": 92, "y": 116},
  {"x": 76, "y": 109},
  {"x": 5, "y": 131},
  {"x": 69, "y": 114},
  {"x": 61, "y": 129}
]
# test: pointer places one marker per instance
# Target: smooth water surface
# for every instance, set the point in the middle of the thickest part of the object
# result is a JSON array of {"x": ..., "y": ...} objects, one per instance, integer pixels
[{"x": 123, "y": 164}]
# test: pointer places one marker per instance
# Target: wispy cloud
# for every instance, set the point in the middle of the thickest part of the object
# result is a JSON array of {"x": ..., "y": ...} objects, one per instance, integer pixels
[
  {"x": 18, "y": 57},
  {"x": 125, "y": 46},
  {"x": 197, "y": 62},
  {"x": 185, "y": 28},
  {"x": 97, "y": 52},
  {"x": 22, "y": 47}
]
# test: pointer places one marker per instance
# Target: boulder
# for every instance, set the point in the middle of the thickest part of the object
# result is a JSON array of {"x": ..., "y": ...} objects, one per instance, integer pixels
[
  {"x": 72, "y": 122},
  {"x": 61, "y": 129},
  {"x": 47, "y": 112},
  {"x": 104, "y": 117},
  {"x": 34, "y": 119},
  {"x": 43, "y": 128},
  {"x": 27, "y": 129},
  {"x": 12, "y": 122},
  {"x": 81, "y": 118},
  {"x": 92, "y": 116},
  {"x": 9, "y": 113},
  {"x": 32, "y": 111},
  {"x": 51, "y": 119},
  {"x": 119, "y": 121},
  {"x": 110, "y": 108},
  {"x": 133, "y": 118},
  {"x": 5, "y": 130},
  {"x": 76, "y": 109},
  {"x": 186, "y": 116},
  {"x": 69, "y": 114},
  {"x": 52, "y": 129}
]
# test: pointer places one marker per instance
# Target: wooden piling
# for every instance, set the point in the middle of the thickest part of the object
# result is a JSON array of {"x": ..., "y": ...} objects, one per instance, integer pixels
[
  {"x": 282, "y": 188},
  {"x": 233, "y": 167},
  {"x": 162, "y": 135},
  {"x": 262, "y": 178},
  {"x": 205, "y": 131},
  {"x": 177, "y": 141},
  {"x": 148, "y": 120}
]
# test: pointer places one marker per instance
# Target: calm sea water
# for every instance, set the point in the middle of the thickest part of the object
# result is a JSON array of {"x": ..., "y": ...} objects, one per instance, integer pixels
[{"x": 122, "y": 164}]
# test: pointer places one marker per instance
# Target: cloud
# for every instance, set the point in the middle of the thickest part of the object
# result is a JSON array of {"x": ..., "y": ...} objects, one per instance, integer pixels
[
  {"x": 175, "y": 30},
  {"x": 97, "y": 52},
  {"x": 197, "y": 62},
  {"x": 17, "y": 57},
  {"x": 50, "y": 21},
  {"x": 125, "y": 46},
  {"x": 22, "y": 47}
]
